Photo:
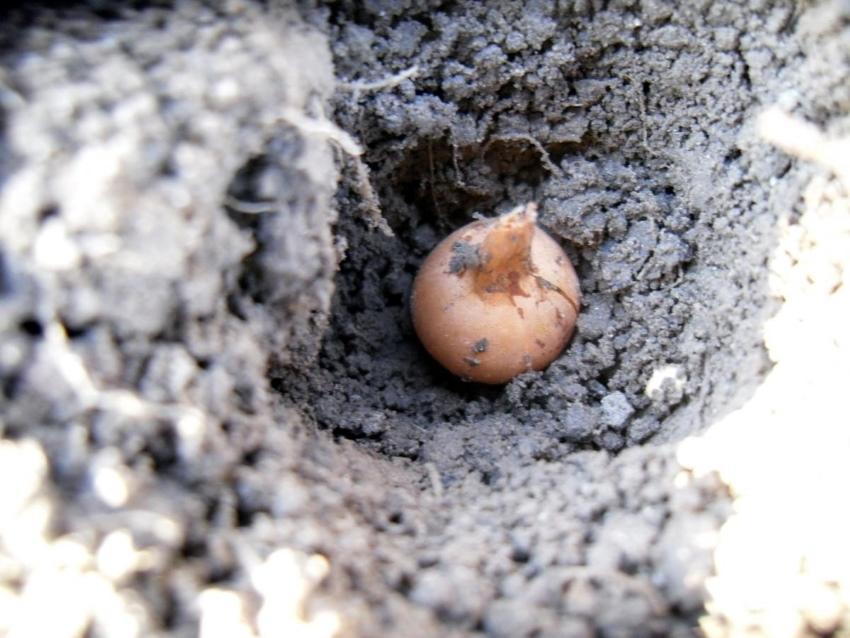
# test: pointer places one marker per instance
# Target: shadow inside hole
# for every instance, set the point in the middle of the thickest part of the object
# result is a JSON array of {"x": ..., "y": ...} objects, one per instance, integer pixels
[{"x": 375, "y": 383}]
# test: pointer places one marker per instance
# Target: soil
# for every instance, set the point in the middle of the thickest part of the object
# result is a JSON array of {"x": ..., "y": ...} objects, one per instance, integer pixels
[{"x": 216, "y": 415}]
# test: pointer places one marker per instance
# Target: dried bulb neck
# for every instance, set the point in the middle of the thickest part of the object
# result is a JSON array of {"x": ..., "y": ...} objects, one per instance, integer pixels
[{"x": 505, "y": 253}]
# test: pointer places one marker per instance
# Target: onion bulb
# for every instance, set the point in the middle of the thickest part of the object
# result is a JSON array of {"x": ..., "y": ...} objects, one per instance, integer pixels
[{"x": 496, "y": 298}]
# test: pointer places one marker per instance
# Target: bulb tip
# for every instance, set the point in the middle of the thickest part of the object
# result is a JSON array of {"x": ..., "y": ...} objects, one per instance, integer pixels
[{"x": 521, "y": 216}]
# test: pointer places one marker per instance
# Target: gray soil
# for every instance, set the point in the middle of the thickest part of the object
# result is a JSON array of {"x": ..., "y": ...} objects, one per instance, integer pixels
[{"x": 204, "y": 290}]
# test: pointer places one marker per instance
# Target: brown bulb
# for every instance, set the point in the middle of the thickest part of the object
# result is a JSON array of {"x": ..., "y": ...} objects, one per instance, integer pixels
[{"x": 496, "y": 298}]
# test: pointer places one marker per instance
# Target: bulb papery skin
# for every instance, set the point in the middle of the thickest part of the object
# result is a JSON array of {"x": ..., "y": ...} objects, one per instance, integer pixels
[{"x": 496, "y": 298}]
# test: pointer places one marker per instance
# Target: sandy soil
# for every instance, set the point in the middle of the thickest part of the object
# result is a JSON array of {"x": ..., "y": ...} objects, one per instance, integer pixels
[{"x": 216, "y": 416}]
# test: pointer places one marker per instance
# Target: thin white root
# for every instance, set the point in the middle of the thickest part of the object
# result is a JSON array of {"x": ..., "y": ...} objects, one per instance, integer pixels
[
  {"x": 249, "y": 208},
  {"x": 545, "y": 159},
  {"x": 370, "y": 198},
  {"x": 323, "y": 128},
  {"x": 806, "y": 141},
  {"x": 436, "y": 481},
  {"x": 377, "y": 85},
  {"x": 326, "y": 129}
]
